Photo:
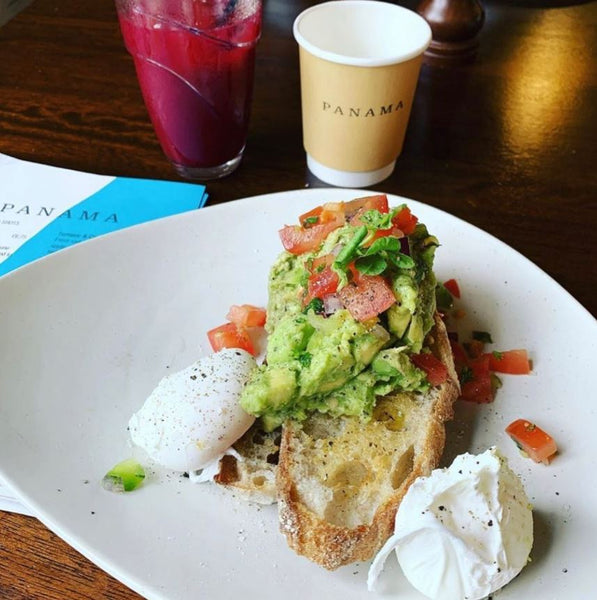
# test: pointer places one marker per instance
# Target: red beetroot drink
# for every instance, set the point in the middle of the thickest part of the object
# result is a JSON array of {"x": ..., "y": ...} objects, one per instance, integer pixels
[{"x": 195, "y": 63}]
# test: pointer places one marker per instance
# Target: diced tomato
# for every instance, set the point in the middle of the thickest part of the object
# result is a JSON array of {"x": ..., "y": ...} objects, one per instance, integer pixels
[
  {"x": 367, "y": 297},
  {"x": 475, "y": 348},
  {"x": 475, "y": 381},
  {"x": 298, "y": 239},
  {"x": 532, "y": 440},
  {"x": 513, "y": 362},
  {"x": 378, "y": 202},
  {"x": 327, "y": 213},
  {"x": 321, "y": 283},
  {"x": 452, "y": 286},
  {"x": 459, "y": 354},
  {"x": 436, "y": 371},
  {"x": 323, "y": 280},
  {"x": 247, "y": 315},
  {"x": 229, "y": 335},
  {"x": 311, "y": 217},
  {"x": 405, "y": 221}
]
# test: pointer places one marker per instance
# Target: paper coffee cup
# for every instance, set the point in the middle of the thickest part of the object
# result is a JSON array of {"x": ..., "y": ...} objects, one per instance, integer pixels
[{"x": 359, "y": 66}]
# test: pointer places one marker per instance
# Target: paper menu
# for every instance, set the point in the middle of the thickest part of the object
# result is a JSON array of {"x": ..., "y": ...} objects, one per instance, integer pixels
[{"x": 44, "y": 209}]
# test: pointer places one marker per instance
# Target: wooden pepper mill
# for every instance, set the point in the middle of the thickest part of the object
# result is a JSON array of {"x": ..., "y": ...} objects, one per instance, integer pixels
[{"x": 455, "y": 25}]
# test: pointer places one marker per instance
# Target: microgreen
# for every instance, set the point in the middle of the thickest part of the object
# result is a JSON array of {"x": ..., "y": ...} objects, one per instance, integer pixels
[
  {"x": 374, "y": 220},
  {"x": 310, "y": 221},
  {"x": 316, "y": 305},
  {"x": 381, "y": 254},
  {"x": 349, "y": 251}
]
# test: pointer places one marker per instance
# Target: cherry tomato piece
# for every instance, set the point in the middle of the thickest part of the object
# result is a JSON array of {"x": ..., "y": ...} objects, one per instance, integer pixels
[
  {"x": 437, "y": 372},
  {"x": 405, "y": 221},
  {"x": 247, "y": 315},
  {"x": 532, "y": 440},
  {"x": 452, "y": 286},
  {"x": 512, "y": 362},
  {"x": 229, "y": 335},
  {"x": 367, "y": 297}
]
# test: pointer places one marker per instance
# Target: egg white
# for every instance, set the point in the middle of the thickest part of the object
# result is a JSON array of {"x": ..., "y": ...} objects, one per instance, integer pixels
[{"x": 193, "y": 416}]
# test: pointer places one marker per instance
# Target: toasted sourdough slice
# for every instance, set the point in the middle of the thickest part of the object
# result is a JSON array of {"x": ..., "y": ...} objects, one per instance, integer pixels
[
  {"x": 253, "y": 473},
  {"x": 340, "y": 480}
]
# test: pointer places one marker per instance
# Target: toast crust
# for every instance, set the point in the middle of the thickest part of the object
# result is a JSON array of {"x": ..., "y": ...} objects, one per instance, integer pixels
[
  {"x": 344, "y": 511},
  {"x": 253, "y": 474}
]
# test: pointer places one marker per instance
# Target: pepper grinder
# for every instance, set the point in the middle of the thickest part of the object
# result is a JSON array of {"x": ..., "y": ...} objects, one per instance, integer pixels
[{"x": 455, "y": 25}]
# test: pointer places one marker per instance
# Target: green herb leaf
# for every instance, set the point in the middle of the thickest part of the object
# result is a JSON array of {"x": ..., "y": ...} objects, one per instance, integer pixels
[
  {"x": 402, "y": 261},
  {"x": 498, "y": 355},
  {"x": 371, "y": 265},
  {"x": 346, "y": 255},
  {"x": 376, "y": 220},
  {"x": 384, "y": 244},
  {"x": 373, "y": 219},
  {"x": 310, "y": 221},
  {"x": 315, "y": 305}
]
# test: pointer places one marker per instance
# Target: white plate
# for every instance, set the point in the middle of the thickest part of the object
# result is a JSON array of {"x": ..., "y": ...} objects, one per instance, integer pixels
[{"x": 88, "y": 332}]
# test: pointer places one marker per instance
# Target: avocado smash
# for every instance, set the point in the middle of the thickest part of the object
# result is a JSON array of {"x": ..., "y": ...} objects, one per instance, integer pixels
[{"x": 351, "y": 299}]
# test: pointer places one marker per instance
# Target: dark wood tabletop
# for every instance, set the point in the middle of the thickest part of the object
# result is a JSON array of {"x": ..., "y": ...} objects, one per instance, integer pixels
[{"x": 507, "y": 142}]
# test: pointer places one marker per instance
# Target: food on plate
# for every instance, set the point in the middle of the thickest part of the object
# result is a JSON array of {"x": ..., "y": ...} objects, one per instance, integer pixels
[
  {"x": 477, "y": 368},
  {"x": 512, "y": 362},
  {"x": 357, "y": 383},
  {"x": 250, "y": 470},
  {"x": 452, "y": 286},
  {"x": 236, "y": 333},
  {"x": 193, "y": 416},
  {"x": 126, "y": 476},
  {"x": 364, "y": 287},
  {"x": 341, "y": 479},
  {"x": 532, "y": 441},
  {"x": 462, "y": 532}
]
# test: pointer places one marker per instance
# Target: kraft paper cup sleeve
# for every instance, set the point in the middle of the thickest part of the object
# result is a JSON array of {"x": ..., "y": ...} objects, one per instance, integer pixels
[
  {"x": 356, "y": 95},
  {"x": 355, "y": 118}
]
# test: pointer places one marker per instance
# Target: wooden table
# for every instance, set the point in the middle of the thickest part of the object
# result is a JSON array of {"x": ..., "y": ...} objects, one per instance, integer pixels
[{"x": 507, "y": 143}]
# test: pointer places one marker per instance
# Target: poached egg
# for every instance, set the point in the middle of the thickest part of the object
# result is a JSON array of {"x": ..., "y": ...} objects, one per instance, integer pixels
[
  {"x": 463, "y": 532},
  {"x": 193, "y": 416}
]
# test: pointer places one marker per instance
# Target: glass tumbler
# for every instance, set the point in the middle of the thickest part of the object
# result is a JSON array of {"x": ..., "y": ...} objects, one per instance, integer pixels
[{"x": 195, "y": 62}]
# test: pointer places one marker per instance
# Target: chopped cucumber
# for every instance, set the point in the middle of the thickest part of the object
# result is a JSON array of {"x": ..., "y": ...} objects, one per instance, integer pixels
[{"x": 124, "y": 477}]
